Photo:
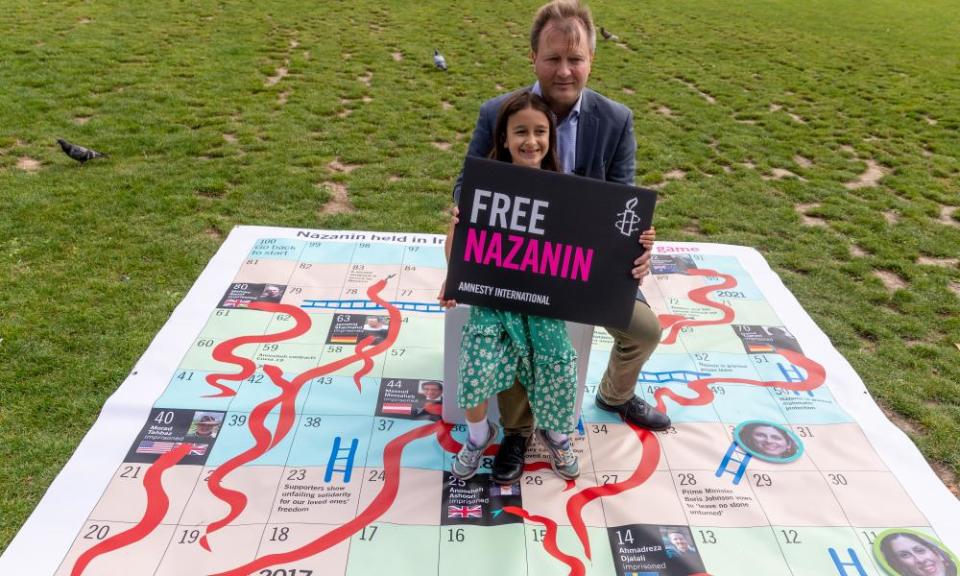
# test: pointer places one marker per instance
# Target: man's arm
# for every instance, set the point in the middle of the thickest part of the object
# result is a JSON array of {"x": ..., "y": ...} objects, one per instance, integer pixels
[
  {"x": 623, "y": 165},
  {"x": 480, "y": 142}
]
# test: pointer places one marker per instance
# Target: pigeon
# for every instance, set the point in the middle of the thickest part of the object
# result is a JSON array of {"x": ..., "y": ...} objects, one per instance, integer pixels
[
  {"x": 607, "y": 35},
  {"x": 78, "y": 153},
  {"x": 439, "y": 61}
]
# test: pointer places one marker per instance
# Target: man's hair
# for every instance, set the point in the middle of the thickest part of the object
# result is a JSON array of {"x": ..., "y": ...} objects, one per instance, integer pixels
[{"x": 563, "y": 11}]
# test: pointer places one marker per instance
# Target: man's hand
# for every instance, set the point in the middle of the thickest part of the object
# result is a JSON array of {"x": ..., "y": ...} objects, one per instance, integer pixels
[{"x": 642, "y": 264}]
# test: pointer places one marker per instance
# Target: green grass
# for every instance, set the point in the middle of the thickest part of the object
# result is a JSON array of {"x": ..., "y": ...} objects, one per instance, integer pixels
[{"x": 94, "y": 259}]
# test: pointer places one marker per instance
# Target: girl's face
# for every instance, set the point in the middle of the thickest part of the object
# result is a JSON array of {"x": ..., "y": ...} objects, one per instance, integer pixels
[
  {"x": 917, "y": 558},
  {"x": 770, "y": 441},
  {"x": 528, "y": 137}
]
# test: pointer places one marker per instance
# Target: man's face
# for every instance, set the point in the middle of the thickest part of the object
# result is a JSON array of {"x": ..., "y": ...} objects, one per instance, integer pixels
[
  {"x": 562, "y": 64},
  {"x": 431, "y": 391},
  {"x": 679, "y": 542}
]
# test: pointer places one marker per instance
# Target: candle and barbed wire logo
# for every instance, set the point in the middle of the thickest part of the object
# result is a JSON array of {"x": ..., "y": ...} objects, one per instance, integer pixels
[{"x": 628, "y": 222}]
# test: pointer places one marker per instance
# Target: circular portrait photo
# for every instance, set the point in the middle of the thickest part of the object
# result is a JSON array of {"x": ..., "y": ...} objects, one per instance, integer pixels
[
  {"x": 768, "y": 441},
  {"x": 904, "y": 552}
]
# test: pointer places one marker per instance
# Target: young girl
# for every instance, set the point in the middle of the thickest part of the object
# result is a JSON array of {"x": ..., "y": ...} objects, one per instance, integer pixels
[{"x": 499, "y": 346}]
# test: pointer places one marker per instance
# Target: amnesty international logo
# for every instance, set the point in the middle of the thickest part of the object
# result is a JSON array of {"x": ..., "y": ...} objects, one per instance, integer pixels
[{"x": 628, "y": 220}]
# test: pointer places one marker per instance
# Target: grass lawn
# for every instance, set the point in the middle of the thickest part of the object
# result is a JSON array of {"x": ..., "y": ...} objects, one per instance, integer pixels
[{"x": 823, "y": 133}]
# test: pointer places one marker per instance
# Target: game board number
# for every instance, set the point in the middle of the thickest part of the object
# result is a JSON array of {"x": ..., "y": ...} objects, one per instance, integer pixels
[
  {"x": 253, "y": 262},
  {"x": 535, "y": 480},
  {"x": 312, "y": 421},
  {"x": 383, "y": 424},
  {"x": 270, "y": 347},
  {"x": 708, "y": 537},
  {"x": 459, "y": 427},
  {"x": 538, "y": 534},
  {"x": 324, "y": 381},
  {"x": 295, "y": 290},
  {"x": 357, "y": 267},
  {"x": 804, "y": 431},
  {"x": 791, "y": 537},
  {"x": 599, "y": 428},
  {"x": 304, "y": 266},
  {"x": 223, "y": 313},
  {"x": 209, "y": 474},
  {"x": 164, "y": 417},
  {"x": 334, "y": 349},
  {"x": 487, "y": 462},
  {"x": 763, "y": 480},
  {"x": 283, "y": 317},
  {"x": 409, "y": 268},
  {"x": 397, "y": 352},
  {"x": 837, "y": 479},
  {"x": 760, "y": 359},
  {"x": 280, "y": 534},
  {"x": 870, "y": 535},
  {"x": 701, "y": 356},
  {"x": 189, "y": 537},
  {"x": 368, "y": 533},
  {"x": 377, "y": 476},
  {"x": 97, "y": 532},
  {"x": 237, "y": 420},
  {"x": 352, "y": 291},
  {"x": 185, "y": 375},
  {"x": 652, "y": 389},
  {"x": 670, "y": 430},
  {"x": 205, "y": 343},
  {"x": 406, "y": 292},
  {"x": 609, "y": 479},
  {"x": 255, "y": 379},
  {"x": 687, "y": 479},
  {"x": 455, "y": 535},
  {"x": 457, "y": 482},
  {"x": 297, "y": 474},
  {"x": 130, "y": 472},
  {"x": 592, "y": 389},
  {"x": 285, "y": 572},
  {"x": 624, "y": 537},
  {"x": 718, "y": 390}
]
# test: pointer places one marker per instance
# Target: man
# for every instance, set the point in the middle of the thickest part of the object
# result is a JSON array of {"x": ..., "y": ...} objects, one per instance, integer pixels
[
  {"x": 595, "y": 139},
  {"x": 429, "y": 401}
]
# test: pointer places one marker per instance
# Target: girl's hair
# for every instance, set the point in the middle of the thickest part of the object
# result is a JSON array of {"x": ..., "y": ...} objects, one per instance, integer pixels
[
  {"x": 515, "y": 103},
  {"x": 886, "y": 547}
]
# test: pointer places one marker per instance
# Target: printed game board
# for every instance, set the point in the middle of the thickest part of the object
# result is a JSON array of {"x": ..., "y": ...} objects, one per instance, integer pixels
[{"x": 286, "y": 422}]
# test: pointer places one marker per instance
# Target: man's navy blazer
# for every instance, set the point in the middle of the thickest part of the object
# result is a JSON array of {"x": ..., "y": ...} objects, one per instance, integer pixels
[{"x": 606, "y": 147}]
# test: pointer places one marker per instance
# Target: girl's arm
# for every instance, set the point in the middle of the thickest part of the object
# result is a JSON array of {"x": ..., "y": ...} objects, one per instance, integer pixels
[{"x": 447, "y": 246}]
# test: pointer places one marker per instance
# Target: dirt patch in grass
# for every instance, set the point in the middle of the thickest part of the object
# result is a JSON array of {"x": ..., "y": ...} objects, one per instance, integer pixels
[
  {"x": 693, "y": 228},
  {"x": 230, "y": 138},
  {"x": 780, "y": 174},
  {"x": 294, "y": 44},
  {"x": 749, "y": 165},
  {"x": 397, "y": 56},
  {"x": 445, "y": 146},
  {"x": 870, "y": 177},
  {"x": 954, "y": 287},
  {"x": 806, "y": 220},
  {"x": 344, "y": 113},
  {"x": 630, "y": 91},
  {"x": 366, "y": 78},
  {"x": 858, "y": 251},
  {"x": 278, "y": 75},
  {"x": 796, "y": 118},
  {"x": 941, "y": 262},
  {"x": 213, "y": 233},
  {"x": 337, "y": 166},
  {"x": 283, "y": 97},
  {"x": 675, "y": 175},
  {"x": 891, "y": 281},
  {"x": 891, "y": 217},
  {"x": 930, "y": 121},
  {"x": 802, "y": 162},
  {"x": 393, "y": 178},
  {"x": 28, "y": 164},
  {"x": 499, "y": 87},
  {"x": 339, "y": 202},
  {"x": 775, "y": 108},
  {"x": 710, "y": 99},
  {"x": 946, "y": 215},
  {"x": 665, "y": 111},
  {"x": 81, "y": 120}
]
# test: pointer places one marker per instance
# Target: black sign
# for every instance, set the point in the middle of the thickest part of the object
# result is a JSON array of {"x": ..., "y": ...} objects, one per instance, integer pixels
[
  {"x": 549, "y": 244},
  {"x": 652, "y": 550},
  {"x": 167, "y": 428},
  {"x": 478, "y": 501}
]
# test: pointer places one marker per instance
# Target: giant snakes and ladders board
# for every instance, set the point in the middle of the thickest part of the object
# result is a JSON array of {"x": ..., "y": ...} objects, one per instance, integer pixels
[{"x": 284, "y": 422}]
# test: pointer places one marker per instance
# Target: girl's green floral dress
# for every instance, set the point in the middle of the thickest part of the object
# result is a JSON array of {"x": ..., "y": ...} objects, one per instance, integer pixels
[{"x": 499, "y": 346}]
